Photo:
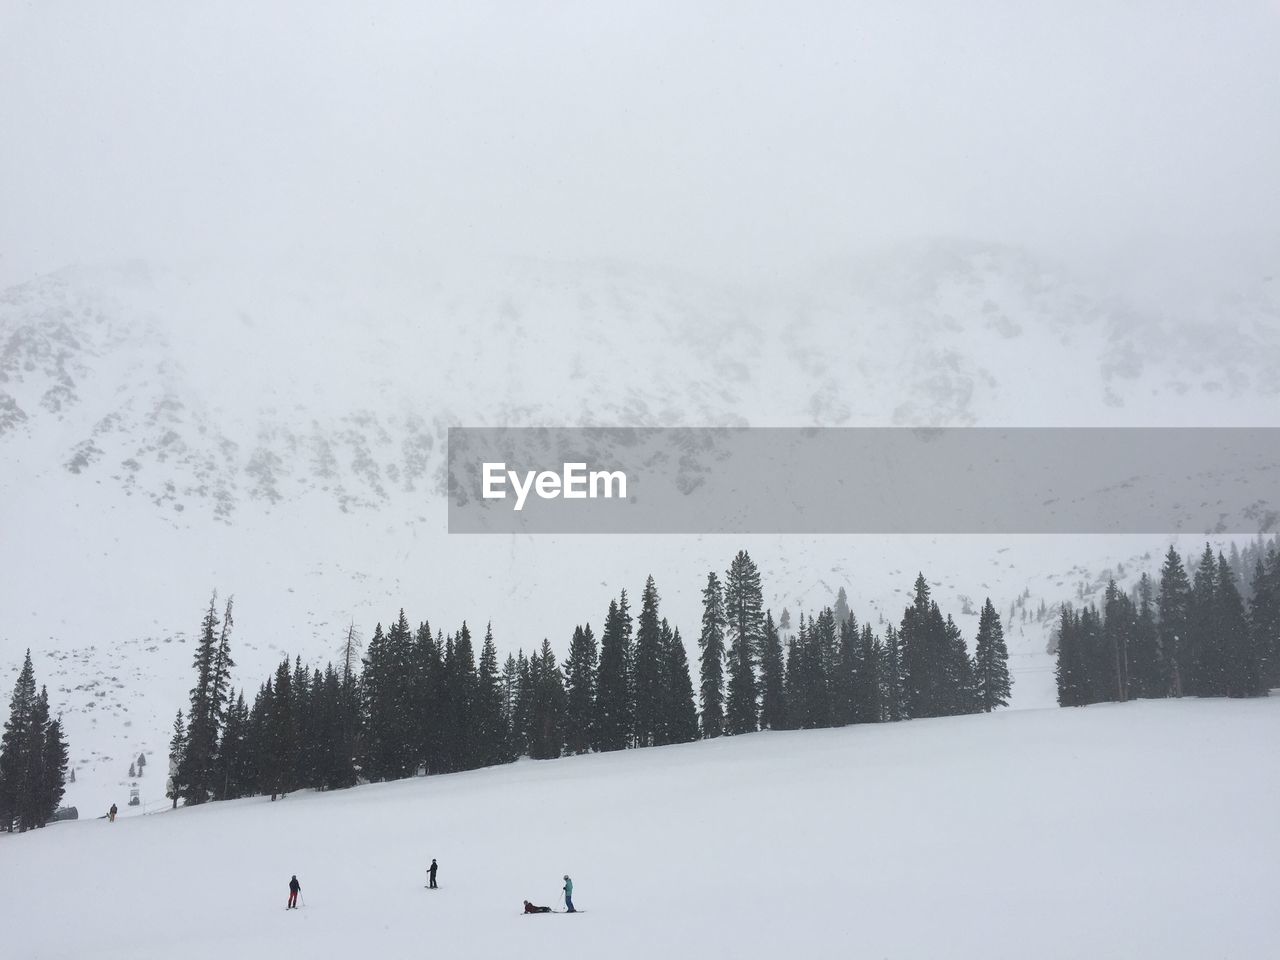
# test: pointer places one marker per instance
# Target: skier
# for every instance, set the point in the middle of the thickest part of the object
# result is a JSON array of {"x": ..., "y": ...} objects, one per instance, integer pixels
[
  {"x": 568, "y": 895},
  {"x": 111, "y": 814},
  {"x": 294, "y": 889},
  {"x": 530, "y": 908},
  {"x": 433, "y": 873}
]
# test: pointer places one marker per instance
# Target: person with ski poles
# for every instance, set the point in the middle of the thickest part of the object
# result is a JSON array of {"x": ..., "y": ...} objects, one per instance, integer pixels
[
  {"x": 432, "y": 871},
  {"x": 568, "y": 895},
  {"x": 294, "y": 889}
]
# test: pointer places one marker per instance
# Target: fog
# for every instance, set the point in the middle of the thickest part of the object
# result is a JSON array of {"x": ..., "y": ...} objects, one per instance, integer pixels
[{"x": 730, "y": 139}]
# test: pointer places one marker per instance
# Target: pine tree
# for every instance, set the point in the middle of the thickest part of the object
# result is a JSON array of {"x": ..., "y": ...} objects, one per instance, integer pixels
[
  {"x": 847, "y": 674},
  {"x": 1071, "y": 671},
  {"x": 647, "y": 664},
  {"x": 894, "y": 703},
  {"x": 177, "y": 749},
  {"x": 32, "y": 757},
  {"x": 1174, "y": 608},
  {"x": 1241, "y": 669},
  {"x": 1271, "y": 644},
  {"x": 711, "y": 660},
  {"x": 869, "y": 704},
  {"x": 391, "y": 730},
  {"x": 811, "y": 690},
  {"x": 510, "y": 689},
  {"x": 32, "y": 811},
  {"x": 629, "y": 649},
  {"x": 546, "y": 739},
  {"x": 429, "y": 700},
  {"x": 1264, "y": 617},
  {"x": 992, "y": 656},
  {"x": 580, "y": 691},
  {"x": 53, "y": 785},
  {"x": 258, "y": 741},
  {"x": 15, "y": 784},
  {"x": 228, "y": 748},
  {"x": 613, "y": 703},
  {"x": 350, "y": 714},
  {"x": 460, "y": 671},
  {"x": 918, "y": 655},
  {"x": 336, "y": 764},
  {"x": 202, "y": 716},
  {"x": 1147, "y": 674},
  {"x": 1207, "y": 671},
  {"x": 522, "y": 719},
  {"x": 1119, "y": 629},
  {"x": 841, "y": 610},
  {"x": 379, "y": 708},
  {"x": 795, "y": 691},
  {"x": 680, "y": 723},
  {"x": 281, "y": 743},
  {"x": 220, "y": 682},
  {"x": 1099, "y": 660},
  {"x": 232, "y": 778},
  {"x": 793, "y": 687},
  {"x": 491, "y": 732},
  {"x": 312, "y": 726},
  {"x": 959, "y": 694},
  {"x": 773, "y": 707},
  {"x": 743, "y": 600}
]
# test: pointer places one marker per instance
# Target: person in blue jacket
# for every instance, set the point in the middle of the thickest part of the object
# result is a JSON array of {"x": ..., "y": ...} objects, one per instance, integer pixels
[{"x": 568, "y": 895}]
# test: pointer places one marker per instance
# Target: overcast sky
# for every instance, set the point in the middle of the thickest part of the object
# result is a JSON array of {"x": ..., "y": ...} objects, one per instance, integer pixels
[{"x": 723, "y": 137}]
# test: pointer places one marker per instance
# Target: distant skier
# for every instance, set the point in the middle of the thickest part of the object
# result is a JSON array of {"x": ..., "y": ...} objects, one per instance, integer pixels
[
  {"x": 111, "y": 814},
  {"x": 294, "y": 889},
  {"x": 568, "y": 895},
  {"x": 530, "y": 908},
  {"x": 432, "y": 871}
]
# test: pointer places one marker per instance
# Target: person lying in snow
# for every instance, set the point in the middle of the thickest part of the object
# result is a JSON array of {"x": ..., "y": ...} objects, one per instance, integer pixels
[{"x": 530, "y": 908}]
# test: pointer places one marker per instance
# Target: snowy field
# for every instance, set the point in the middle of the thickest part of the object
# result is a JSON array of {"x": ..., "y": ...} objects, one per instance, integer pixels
[{"x": 1139, "y": 830}]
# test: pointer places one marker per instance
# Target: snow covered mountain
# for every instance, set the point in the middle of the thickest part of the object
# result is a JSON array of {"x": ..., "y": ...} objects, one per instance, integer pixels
[
  {"x": 256, "y": 261},
  {"x": 279, "y": 434}
]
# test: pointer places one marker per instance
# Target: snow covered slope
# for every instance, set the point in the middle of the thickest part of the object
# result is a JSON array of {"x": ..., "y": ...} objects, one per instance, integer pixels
[{"x": 1137, "y": 830}]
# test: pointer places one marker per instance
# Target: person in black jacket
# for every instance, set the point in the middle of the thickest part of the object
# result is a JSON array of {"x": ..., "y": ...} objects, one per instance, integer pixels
[
  {"x": 432, "y": 871},
  {"x": 294, "y": 889},
  {"x": 530, "y": 908}
]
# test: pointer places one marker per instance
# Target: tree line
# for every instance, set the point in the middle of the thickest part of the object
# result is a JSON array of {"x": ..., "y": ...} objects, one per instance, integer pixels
[
  {"x": 33, "y": 757},
  {"x": 421, "y": 701},
  {"x": 1196, "y": 637}
]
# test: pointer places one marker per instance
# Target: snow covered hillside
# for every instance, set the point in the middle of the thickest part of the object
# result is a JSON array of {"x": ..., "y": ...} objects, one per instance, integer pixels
[{"x": 1138, "y": 830}]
